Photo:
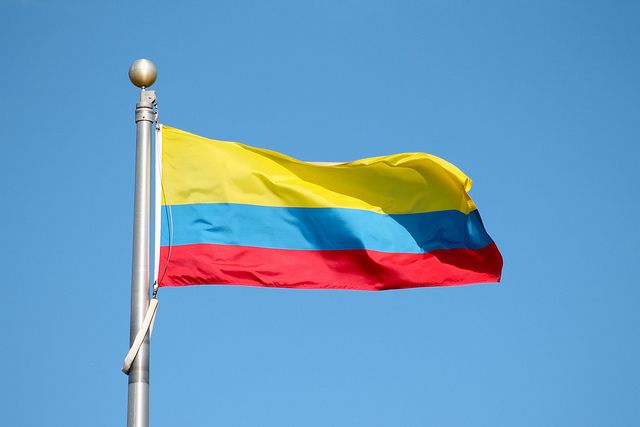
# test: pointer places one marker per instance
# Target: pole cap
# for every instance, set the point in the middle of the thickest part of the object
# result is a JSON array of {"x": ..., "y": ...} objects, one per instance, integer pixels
[{"x": 143, "y": 73}]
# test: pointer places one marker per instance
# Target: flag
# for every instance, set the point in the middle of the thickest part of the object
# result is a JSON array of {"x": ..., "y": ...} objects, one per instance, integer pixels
[{"x": 238, "y": 215}]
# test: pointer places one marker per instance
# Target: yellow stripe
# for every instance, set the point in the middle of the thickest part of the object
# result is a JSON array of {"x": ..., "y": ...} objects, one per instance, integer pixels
[{"x": 201, "y": 170}]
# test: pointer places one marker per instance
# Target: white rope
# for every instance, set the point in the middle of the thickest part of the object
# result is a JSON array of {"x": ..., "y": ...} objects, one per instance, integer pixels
[
  {"x": 157, "y": 200},
  {"x": 147, "y": 326}
]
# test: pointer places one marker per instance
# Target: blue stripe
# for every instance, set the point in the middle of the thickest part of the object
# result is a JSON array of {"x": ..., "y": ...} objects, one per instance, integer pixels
[{"x": 322, "y": 228}]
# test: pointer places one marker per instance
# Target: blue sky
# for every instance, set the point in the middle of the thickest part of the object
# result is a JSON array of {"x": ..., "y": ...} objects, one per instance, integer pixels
[{"x": 538, "y": 102}]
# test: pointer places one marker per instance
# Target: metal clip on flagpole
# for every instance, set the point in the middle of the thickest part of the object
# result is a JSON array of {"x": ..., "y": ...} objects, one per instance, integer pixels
[{"x": 143, "y": 74}]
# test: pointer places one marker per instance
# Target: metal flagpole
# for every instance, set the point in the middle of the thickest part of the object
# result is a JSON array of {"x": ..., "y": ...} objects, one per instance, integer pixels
[{"x": 142, "y": 74}]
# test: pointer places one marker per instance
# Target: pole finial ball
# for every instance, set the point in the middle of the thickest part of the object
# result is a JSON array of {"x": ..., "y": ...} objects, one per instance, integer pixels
[{"x": 143, "y": 72}]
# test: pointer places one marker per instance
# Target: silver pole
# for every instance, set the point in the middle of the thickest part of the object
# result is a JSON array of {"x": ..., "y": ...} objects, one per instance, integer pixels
[{"x": 142, "y": 73}]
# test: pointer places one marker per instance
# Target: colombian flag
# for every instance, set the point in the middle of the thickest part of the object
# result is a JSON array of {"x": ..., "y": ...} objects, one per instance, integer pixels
[{"x": 239, "y": 215}]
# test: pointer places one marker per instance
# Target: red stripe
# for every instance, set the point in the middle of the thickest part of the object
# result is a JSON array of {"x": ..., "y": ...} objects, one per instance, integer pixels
[{"x": 338, "y": 269}]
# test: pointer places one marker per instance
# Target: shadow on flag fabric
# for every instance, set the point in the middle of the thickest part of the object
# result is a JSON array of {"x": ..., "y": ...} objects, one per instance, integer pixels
[{"x": 238, "y": 215}]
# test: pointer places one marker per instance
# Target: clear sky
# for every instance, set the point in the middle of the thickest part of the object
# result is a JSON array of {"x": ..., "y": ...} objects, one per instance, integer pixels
[{"x": 538, "y": 102}]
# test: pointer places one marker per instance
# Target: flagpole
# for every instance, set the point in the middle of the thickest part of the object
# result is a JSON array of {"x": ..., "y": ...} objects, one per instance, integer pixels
[{"x": 142, "y": 74}]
